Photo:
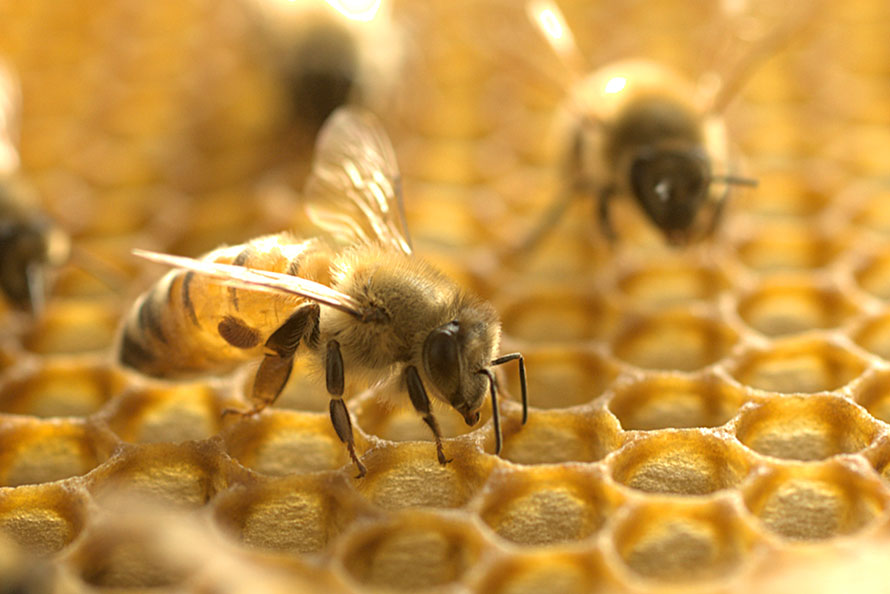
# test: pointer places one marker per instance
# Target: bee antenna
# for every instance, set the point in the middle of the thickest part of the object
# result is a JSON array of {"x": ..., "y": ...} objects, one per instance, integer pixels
[
  {"x": 495, "y": 413},
  {"x": 522, "y": 383},
  {"x": 735, "y": 180}
]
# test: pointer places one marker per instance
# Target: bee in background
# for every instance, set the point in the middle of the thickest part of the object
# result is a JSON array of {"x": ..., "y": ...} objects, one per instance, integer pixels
[
  {"x": 330, "y": 53},
  {"x": 370, "y": 309},
  {"x": 30, "y": 244},
  {"x": 638, "y": 129}
]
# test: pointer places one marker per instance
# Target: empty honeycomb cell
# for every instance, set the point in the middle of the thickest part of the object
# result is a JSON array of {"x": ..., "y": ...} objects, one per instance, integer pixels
[
  {"x": 547, "y": 505},
  {"x": 294, "y": 514},
  {"x": 531, "y": 572},
  {"x": 778, "y": 308},
  {"x": 286, "y": 442},
  {"x": 386, "y": 412},
  {"x": 166, "y": 413},
  {"x": 73, "y": 326},
  {"x": 683, "y": 462},
  {"x": 683, "y": 541},
  {"x": 792, "y": 365},
  {"x": 187, "y": 474},
  {"x": 551, "y": 437},
  {"x": 781, "y": 247},
  {"x": 413, "y": 550},
  {"x": 671, "y": 282},
  {"x": 42, "y": 519},
  {"x": 873, "y": 276},
  {"x": 873, "y": 334},
  {"x": 36, "y": 451},
  {"x": 677, "y": 340},
  {"x": 557, "y": 315},
  {"x": 60, "y": 388},
  {"x": 874, "y": 395},
  {"x": 563, "y": 376},
  {"x": 815, "y": 501},
  {"x": 410, "y": 475},
  {"x": 810, "y": 427},
  {"x": 674, "y": 401}
]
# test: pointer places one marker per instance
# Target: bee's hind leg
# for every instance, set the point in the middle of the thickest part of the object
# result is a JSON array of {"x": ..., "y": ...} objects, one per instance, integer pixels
[
  {"x": 339, "y": 415},
  {"x": 421, "y": 403},
  {"x": 281, "y": 346}
]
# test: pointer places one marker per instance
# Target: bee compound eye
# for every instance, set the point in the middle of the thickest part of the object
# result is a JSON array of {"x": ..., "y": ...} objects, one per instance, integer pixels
[{"x": 441, "y": 360}]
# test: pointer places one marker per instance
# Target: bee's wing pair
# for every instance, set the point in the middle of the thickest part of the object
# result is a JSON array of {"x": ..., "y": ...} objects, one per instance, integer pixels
[{"x": 353, "y": 192}]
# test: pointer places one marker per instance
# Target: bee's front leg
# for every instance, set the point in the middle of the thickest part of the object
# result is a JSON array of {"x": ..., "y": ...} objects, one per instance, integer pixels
[
  {"x": 276, "y": 366},
  {"x": 335, "y": 380},
  {"x": 421, "y": 403}
]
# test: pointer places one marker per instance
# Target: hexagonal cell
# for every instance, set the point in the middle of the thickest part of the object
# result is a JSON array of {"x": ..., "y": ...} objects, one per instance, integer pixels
[
  {"x": 874, "y": 395},
  {"x": 682, "y": 541},
  {"x": 285, "y": 442},
  {"x": 682, "y": 462},
  {"x": 42, "y": 519},
  {"x": 873, "y": 276},
  {"x": 73, "y": 326},
  {"x": 777, "y": 308},
  {"x": 410, "y": 551},
  {"x": 815, "y": 502},
  {"x": 386, "y": 412},
  {"x": 166, "y": 413},
  {"x": 675, "y": 402},
  {"x": 187, "y": 474},
  {"x": 805, "y": 427},
  {"x": 790, "y": 365},
  {"x": 531, "y": 572},
  {"x": 557, "y": 315},
  {"x": 671, "y": 282},
  {"x": 873, "y": 334},
  {"x": 295, "y": 514},
  {"x": 60, "y": 388},
  {"x": 784, "y": 247},
  {"x": 36, "y": 451},
  {"x": 546, "y": 505},
  {"x": 561, "y": 377},
  {"x": 551, "y": 437},
  {"x": 675, "y": 340}
]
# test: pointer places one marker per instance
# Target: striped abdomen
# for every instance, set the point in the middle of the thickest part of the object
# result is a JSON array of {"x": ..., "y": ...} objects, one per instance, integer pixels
[{"x": 188, "y": 324}]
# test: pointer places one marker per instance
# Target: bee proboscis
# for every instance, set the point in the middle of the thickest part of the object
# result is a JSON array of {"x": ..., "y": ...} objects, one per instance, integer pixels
[{"x": 371, "y": 309}]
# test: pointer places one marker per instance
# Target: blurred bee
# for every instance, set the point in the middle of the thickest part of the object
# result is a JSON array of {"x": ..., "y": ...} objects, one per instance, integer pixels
[
  {"x": 638, "y": 129},
  {"x": 370, "y": 309},
  {"x": 30, "y": 243},
  {"x": 330, "y": 53}
]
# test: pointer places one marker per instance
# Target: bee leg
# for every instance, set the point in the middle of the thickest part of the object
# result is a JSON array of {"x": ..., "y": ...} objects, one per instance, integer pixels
[
  {"x": 604, "y": 213},
  {"x": 421, "y": 403},
  {"x": 548, "y": 221},
  {"x": 281, "y": 346},
  {"x": 333, "y": 363}
]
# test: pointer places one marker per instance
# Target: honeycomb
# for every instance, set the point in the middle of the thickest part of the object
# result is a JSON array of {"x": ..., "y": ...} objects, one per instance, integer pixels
[{"x": 711, "y": 419}]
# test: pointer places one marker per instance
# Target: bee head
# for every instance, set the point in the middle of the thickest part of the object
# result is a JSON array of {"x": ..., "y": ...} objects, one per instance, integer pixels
[
  {"x": 671, "y": 185},
  {"x": 24, "y": 263},
  {"x": 454, "y": 357}
]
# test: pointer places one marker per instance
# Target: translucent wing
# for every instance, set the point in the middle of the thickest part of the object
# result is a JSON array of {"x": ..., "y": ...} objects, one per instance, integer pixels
[
  {"x": 260, "y": 280},
  {"x": 354, "y": 190},
  {"x": 10, "y": 108}
]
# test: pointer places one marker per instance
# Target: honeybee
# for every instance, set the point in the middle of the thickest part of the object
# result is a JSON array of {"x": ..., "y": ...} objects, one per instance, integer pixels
[
  {"x": 371, "y": 308},
  {"x": 30, "y": 243},
  {"x": 328, "y": 53},
  {"x": 638, "y": 129}
]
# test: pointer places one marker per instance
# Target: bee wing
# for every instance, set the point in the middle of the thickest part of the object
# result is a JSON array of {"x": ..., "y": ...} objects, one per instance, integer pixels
[
  {"x": 354, "y": 190},
  {"x": 260, "y": 280},
  {"x": 10, "y": 109}
]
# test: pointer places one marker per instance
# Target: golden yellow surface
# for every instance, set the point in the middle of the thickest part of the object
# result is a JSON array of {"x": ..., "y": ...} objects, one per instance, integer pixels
[{"x": 713, "y": 419}]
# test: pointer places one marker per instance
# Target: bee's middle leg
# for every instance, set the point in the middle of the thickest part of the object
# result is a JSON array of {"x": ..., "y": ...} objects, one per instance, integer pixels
[
  {"x": 281, "y": 346},
  {"x": 335, "y": 380},
  {"x": 421, "y": 403}
]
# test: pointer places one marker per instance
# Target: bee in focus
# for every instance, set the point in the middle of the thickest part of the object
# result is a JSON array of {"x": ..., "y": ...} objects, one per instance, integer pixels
[
  {"x": 369, "y": 309},
  {"x": 638, "y": 129},
  {"x": 30, "y": 244},
  {"x": 329, "y": 53}
]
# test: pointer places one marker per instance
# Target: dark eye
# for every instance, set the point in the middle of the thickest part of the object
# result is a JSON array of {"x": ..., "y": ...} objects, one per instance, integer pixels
[
  {"x": 441, "y": 359},
  {"x": 670, "y": 186}
]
